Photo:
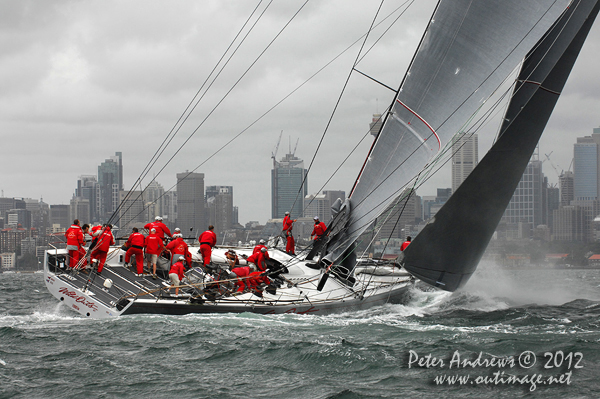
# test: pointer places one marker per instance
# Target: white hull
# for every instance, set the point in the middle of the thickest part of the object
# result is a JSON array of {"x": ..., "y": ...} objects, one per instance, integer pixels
[{"x": 130, "y": 294}]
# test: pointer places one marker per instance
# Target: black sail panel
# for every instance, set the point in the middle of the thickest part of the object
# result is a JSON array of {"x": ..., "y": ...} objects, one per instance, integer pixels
[{"x": 446, "y": 253}]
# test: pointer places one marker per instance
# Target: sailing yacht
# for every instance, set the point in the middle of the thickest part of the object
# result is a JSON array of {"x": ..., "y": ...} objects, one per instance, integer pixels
[{"x": 467, "y": 51}]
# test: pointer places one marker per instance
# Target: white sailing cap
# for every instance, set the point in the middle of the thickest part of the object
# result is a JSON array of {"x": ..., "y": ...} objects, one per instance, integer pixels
[{"x": 158, "y": 218}]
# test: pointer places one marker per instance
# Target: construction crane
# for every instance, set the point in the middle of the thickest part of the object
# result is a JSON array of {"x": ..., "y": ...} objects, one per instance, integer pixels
[
  {"x": 552, "y": 164},
  {"x": 295, "y": 147},
  {"x": 274, "y": 153}
]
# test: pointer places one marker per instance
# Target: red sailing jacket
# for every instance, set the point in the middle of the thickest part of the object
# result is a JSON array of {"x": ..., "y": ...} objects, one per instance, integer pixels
[
  {"x": 105, "y": 240},
  {"x": 74, "y": 236},
  {"x": 178, "y": 269},
  {"x": 258, "y": 259},
  {"x": 154, "y": 244},
  {"x": 258, "y": 249},
  {"x": 319, "y": 229},
  {"x": 160, "y": 227},
  {"x": 287, "y": 223},
  {"x": 208, "y": 237},
  {"x": 178, "y": 246},
  {"x": 136, "y": 239}
]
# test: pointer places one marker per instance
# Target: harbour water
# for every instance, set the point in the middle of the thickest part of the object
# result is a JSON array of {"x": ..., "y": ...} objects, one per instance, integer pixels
[{"x": 529, "y": 324}]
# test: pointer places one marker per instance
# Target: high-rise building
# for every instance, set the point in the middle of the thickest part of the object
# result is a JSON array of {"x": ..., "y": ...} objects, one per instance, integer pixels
[
  {"x": 288, "y": 187},
  {"x": 133, "y": 210},
  {"x": 526, "y": 203},
  {"x": 219, "y": 204},
  {"x": 110, "y": 183},
  {"x": 87, "y": 188},
  {"x": 320, "y": 204},
  {"x": 566, "y": 183},
  {"x": 170, "y": 209},
  {"x": 18, "y": 217},
  {"x": 569, "y": 224},
  {"x": 403, "y": 212},
  {"x": 586, "y": 167},
  {"x": 465, "y": 156},
  {"x": 59, "y": 217},
  {"x": 80, "y": 209},
  {"x": 154, "y": 194},
  {"x": 190, "y": 202}
]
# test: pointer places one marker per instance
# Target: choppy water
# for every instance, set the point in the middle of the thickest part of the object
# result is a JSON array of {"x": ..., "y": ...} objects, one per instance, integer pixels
[{"x": 48, "y": 351}]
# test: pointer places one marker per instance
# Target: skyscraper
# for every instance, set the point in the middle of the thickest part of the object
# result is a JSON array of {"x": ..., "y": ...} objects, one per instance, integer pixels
[
  {"x": 566, "y": 186},
  {"x": 586, "y": 167},
  {"x": 525, "y": 205},
  {"x": 287, "y": 190},
  {"x": 110, "y": 182},
  {"x": 87, "y": 188},
  {"x": 219, "y": 203},
  {"x": 320, "y": 204},
  {"x": 465, "y": 156},
  {"x": 190, "y": 202}
]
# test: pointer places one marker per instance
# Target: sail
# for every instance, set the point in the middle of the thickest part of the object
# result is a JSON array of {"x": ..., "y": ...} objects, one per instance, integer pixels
[
  {"x": 469, "y": 48},
  {"x": 447, "y": 251}
]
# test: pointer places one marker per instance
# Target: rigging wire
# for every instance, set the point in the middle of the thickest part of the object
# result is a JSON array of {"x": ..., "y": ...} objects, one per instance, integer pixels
[{"x": 180, "y": 122}]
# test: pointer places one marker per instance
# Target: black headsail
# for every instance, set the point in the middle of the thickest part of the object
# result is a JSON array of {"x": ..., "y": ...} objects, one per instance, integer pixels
[{"x": 446, "y": 253}]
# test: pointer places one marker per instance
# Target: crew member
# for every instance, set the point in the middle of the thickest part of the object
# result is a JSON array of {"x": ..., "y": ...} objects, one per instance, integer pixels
[
  {"x": 406, "y": 243},
  {"x": 258, "y": 258},
  {"x": 75, "y": 242},
  {"x": 259, "y": 247},
  {"x": 159, "y": 226},
  {"x": 176, "y": 273},
  {"x": 288, "y": 224},
  {"x": 232, "y": 258},
  {"x": 105, "y": 240},
  {"x": 319, "y": 229},
  {"x": 242, "y": 273},
  {"x": 153, "y": 247},
  {"x": 135, "y": 246},
  {"x": 208, "y": 240},
  {"x": 179, "y": 247}
]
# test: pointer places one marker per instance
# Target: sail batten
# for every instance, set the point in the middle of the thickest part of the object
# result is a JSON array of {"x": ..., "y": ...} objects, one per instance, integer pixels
[{"x": 468, "y": 51}]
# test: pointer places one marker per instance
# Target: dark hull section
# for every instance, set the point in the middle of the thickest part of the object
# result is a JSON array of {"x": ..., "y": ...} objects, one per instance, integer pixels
[{"x": 182, "y": 307}]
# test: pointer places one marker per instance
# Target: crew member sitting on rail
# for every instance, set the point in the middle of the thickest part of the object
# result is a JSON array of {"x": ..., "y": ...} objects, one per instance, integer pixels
[
  {"x": 75, "y": 242},
  {"x": 153, "y": 248},
  {"x": 179, "y": 247},
  {"x": 176, "y": 273},
  {"x": 319, "y": 229},
  {"x": 159, "y": 226},
  {"x": 208, "y": 240},
  {"x": 259, "y": 247},
  {"x": 105, "y": 240},
  {"x": 135, "y": 246}
]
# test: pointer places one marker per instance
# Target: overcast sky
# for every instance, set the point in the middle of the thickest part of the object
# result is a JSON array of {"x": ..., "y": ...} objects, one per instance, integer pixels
[{"x": 80, "y": 80}]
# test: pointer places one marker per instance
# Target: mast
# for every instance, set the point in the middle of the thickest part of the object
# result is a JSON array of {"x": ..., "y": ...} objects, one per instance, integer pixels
[{"x": 446, "y": 253}]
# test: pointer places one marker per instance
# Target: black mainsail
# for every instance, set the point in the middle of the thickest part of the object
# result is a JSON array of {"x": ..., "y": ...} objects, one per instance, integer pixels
[
  {"x": 447, "y": 251},
  {"x": 468, "y": 50}
]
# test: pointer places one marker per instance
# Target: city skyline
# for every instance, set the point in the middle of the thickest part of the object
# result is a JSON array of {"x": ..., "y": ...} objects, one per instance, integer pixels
[{"x": 73, "y": 94}]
